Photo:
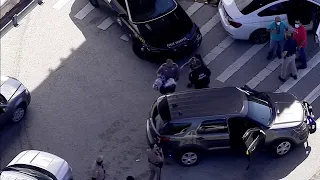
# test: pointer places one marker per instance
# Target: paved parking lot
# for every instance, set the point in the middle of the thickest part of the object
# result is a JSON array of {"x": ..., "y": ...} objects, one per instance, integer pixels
[{"x": 91, "y": 94}]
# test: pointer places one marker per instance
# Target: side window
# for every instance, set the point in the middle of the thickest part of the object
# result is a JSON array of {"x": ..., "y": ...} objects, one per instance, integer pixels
[
  {"x": 274, "y": 10},
  {"x": 175, "y": 128},
  {"x": 213, "y": 126}
]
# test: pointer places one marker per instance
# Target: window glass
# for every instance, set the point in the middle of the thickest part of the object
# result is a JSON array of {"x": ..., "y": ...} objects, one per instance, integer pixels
[
  {"x": 259, "y": 110},
  {"x": 216, "y": 126},
  {"x": 276, "y": 9},
  {"x": 248, "y": 6},
  {"x": 175, "y": 128},
  {"x": 123, "y": 4}
]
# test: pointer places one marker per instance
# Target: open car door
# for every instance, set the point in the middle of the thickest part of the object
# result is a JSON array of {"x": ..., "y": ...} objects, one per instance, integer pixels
[
  {"x": 317, "y": 35},
  {"x": 252, "y": 138}
]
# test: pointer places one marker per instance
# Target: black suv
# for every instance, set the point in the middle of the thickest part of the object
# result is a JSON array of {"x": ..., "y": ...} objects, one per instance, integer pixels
[
  {"x": 191, "y": 122},
  {"x": 157, "y": 27}
]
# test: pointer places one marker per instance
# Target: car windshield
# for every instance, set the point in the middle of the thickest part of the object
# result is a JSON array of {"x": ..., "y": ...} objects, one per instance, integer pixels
[
  {"x": 146, "y": 10},
  {"x": 30, "y": 171},
  {"x": 248, "y": 6}
]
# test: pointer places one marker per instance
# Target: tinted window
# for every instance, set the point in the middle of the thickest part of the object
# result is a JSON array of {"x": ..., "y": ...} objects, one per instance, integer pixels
[
  {"x": 276, "y": 9},
  {"x": 123, "y": 4},
  {"x": 248, "y": 6},
  {"x": 216, "y": 126},
  {"x": 145, "y": 10},
  {"x": 175, "y": 128}
]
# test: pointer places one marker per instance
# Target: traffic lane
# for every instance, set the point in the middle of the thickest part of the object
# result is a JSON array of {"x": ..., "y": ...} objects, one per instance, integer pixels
[{"x": 94, "y": 101}]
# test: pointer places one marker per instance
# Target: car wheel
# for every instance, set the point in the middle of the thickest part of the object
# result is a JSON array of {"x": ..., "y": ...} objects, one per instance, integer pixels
[
  {"x": 189, "y": 157},
  {"x": 282, "y": 147},
  {"x": 260, "y": 36},
  {"x": 136, "y": 48},
  {"x": 19, "y": 113},
  {"x": 94, "y": 3}
]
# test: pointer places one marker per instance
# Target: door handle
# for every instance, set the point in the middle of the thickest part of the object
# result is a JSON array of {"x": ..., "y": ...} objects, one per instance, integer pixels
[{"x": 200, "y": 138}]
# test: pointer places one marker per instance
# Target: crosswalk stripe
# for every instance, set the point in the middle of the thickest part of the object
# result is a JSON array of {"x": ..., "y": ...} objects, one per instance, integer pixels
[
  {"x": 264, "y": 73},
  {"x": 194, "y": 8},
  {"x": 210, "y": 24},
  {"x": 291, "y": 82},
  {"x": 84, "y": 11},
  {"x": 234, "y": 67},
  {"x": 313, "y": 95},
  {"x": 216, "y": 51},
  {"x": 59, "y": 5},
  {"x": 124, "y": 37},
  {"x": 106, "y": 24}
]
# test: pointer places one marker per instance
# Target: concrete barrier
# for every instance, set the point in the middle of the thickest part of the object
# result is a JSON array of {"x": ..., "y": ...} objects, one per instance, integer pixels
[{"x": 6, "y": 6}]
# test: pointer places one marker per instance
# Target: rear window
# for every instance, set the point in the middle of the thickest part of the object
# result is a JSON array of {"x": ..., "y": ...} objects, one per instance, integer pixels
[
  {"x": 174, "y": 128},
  {"x": 248, "y": 6}
]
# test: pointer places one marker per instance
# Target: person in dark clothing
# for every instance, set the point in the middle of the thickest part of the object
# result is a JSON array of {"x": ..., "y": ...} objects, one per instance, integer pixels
[
  {"x": 130, "y": 178},
  {"x": 200, "y": 76}
]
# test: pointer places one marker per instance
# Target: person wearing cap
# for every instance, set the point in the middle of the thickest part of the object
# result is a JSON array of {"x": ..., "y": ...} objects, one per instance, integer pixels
[{"x": 98, "y": 171}]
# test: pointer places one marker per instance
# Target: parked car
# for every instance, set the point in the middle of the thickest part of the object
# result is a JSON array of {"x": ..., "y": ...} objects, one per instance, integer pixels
[
  {"x": 37, "y": 165},
  {"x": 248, "y": 19},
  {"x": 14, "y": 100},
  {"x": 191, "y": 122},
  {"x": 157, "y": 27}
]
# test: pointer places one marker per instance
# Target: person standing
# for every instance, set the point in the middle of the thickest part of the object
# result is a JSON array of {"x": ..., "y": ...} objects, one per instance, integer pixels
[
  {"x": 300, "y": 35},
  {"x": 156, "y": 159},
  {"x": 98, "y": 171},
  {"x": 289, "y": 56},
  {"x": 200, "y": 76},
  {"x": 277, "y": 31}
]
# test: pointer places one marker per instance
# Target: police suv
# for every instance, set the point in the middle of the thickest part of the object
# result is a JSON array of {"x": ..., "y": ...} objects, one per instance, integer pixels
[{"x": 157, "y": 27}]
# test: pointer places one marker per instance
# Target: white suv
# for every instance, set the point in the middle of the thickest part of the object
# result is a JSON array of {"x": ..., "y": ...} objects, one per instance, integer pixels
[{"x": 37, "y": 165}]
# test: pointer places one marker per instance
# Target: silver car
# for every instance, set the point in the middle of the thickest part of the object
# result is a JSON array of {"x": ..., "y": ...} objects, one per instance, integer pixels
[
  {"x": 37, "y": 165},
  {"x": 14, "y": 100}
]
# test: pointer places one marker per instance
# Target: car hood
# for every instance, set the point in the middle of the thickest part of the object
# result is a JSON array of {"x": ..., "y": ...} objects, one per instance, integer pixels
[
  {"x": 9, "y": 87},
  {"x": 289, "y": 111},
  {"x": 231, "y": 8},
  {"x": 52, "y": 163}
]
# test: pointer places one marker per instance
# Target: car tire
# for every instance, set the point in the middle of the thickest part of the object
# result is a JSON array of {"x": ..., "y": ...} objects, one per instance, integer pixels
[
  {"x": 136, "y": 48},
  {"x": 94, "y": 3},
  {"x": 189, "y": 157},
  {"x": 260, "y": 36},
  {"x": 282, "y": 147},
  {"x": 19, "y": 113}
]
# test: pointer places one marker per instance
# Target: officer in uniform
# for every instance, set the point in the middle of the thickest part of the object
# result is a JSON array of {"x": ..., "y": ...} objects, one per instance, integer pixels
[{"x": 98, "y": 171}]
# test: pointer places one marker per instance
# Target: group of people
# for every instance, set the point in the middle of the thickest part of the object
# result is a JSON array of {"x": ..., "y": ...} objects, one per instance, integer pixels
[
  {"x": 169, "y": 72},
  {"x": 288, "y": 46}
]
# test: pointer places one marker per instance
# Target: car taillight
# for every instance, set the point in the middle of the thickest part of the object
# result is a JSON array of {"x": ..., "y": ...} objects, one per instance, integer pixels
[
  {"x": 164, "y": 139},
  {"x": 234, "y": 24}
]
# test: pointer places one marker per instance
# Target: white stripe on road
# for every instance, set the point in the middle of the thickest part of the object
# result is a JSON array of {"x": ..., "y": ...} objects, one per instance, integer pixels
[
  {"x": 210, "y": 24},
  {"x": 124, "y": 37},
  {"x": 227, "y": 73},
  {"x": 291, "y": 82},
  {"x": 263, "y": 74},
  {"x": 59, "y": 5},
  {"x": 84, "y": 11},
  {"x": 194, "y": 8},
  {"x": 106, "y": 24},
  {"x": 313, "y": 95},
  {"x": 216, "y": 51}
]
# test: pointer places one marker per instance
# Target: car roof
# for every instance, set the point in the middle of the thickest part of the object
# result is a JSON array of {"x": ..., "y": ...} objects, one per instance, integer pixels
[{"x": 201, "y": 103}]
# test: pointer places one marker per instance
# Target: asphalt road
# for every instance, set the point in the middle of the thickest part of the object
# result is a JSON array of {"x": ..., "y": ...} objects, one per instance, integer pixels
[{"x": 91, "y": 95}]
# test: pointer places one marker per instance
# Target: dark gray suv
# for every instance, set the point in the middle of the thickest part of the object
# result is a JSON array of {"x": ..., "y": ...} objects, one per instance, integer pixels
[{"x": 191, "y": 122}]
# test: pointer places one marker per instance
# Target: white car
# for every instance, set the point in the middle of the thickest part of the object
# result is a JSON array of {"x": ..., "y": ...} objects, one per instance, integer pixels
[
  {"x": 248, "y": 19},
  {"x": 37, "y": 165}
]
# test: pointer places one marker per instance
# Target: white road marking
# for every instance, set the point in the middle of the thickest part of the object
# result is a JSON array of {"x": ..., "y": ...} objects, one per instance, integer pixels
[
  {"x": 59, "y": 5},
  {"x": 84, "y": 11},
  {"x": 313, "y": 95},
  {"x": 291, "y": 82},
  {"x": 210, "y": 24},
  {"x": 106, "y": 24},
  {"x": 124, "y": 37},
  {"x": 227, "y": 73},
  {"x": 216, "y": 51},
  {"x": 194, "y": 8},
  {"x": 264, "y": 73}
]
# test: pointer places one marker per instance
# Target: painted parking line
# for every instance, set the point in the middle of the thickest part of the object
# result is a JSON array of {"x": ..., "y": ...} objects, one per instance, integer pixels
[
  {"x": 234, "y": 67},
  {"x": 124, "y": 37},
  {"x": 313, "y": 95},
  {"x": 264, "y": 73},
  {"x": 291, "y": 82},
  {"x": 216, "y": 51},
  {"x": 210, "y": 24},
  {"x": 59, "y": 5},
  {"x": 106, "y": 23},
  {"x": 194, "y": 8},
  {"x": 84, "y": 11}
]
